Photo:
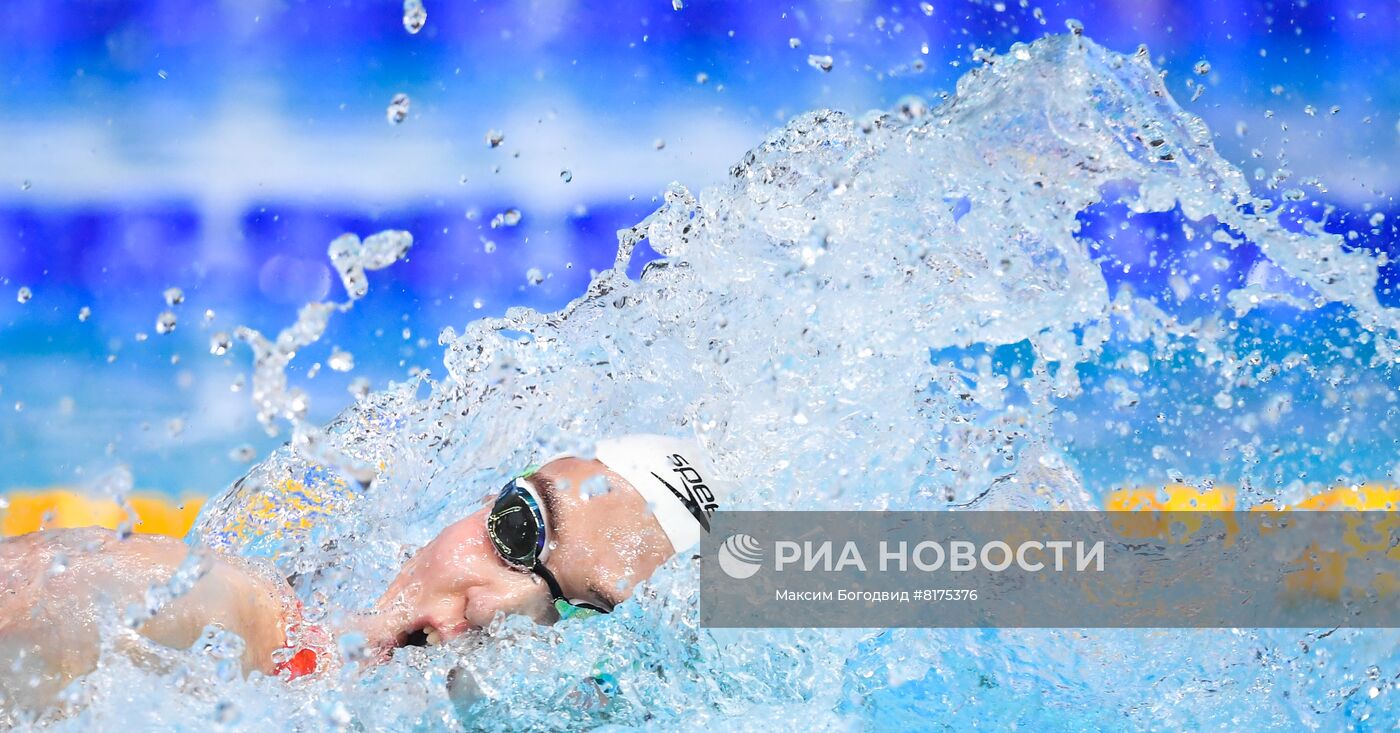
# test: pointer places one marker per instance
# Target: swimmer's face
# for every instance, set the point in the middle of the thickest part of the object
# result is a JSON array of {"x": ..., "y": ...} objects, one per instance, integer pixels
[{"x": 601, "y": 547}]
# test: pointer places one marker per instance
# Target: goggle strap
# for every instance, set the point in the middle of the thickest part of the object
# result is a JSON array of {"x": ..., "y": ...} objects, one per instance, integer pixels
[
  {"x": 555, "y": 591},
  {"x": 567, "y": 610}
]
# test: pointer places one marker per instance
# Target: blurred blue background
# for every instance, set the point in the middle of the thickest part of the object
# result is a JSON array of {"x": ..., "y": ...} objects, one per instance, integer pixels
[{"x": 219, "y": 146}]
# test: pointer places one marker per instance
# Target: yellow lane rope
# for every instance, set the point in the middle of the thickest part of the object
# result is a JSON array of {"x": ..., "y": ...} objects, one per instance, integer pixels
[{"x": 27, "y": 511}]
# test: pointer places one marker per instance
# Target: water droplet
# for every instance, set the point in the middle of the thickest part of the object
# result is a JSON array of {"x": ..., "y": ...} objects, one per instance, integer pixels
[
  {"x": 794, "y": 42},
  {"x": 25, "y": 185},
  {"x": 24, "y": 295},
  {"x": 507, "y": 218},
  {"x": 398, "y": 109},
  {"x": 677, "y": 4},
  {"x": 243, "y": 454},
  {"x": 566, "y": 175},
  {"x": 19, "y": 407},
  {"x": 1334, "y": 109},
  {"x": 1223, "y": 400},
  {"x": 359, "y": 388},
  {"x": 381, "y": 249},
  {"x": 165, "y": 322},
  {"x": 415, "y": 16},
  {"x": 593, "y": 487},
  {"x": 1377, "y": 219},
  {"x": 478, "y": 303},
  {"x": 488, "y": 246},
  {"x": 208, "y": 315},
  {"x": 494, "y": 138},
  {"x": 534, "y": 276},
  {"x": 818, "y": 61},
  {"x": 341, "y": 361},
  {"x": 219, "y": 343},
  {"x": 927, "y": 8},
  {"x": 338, "y": 715},
  {"x": 1201, "y": 68},
  {"x": 702, "y": 78},
  {"x": 1075, "y": 27},
  {"x": 351, "y": 257},
  {"x": 174, "y": 296},
  {"x": 912, "y": 107},
  {"x": 1309, "y": 110}
]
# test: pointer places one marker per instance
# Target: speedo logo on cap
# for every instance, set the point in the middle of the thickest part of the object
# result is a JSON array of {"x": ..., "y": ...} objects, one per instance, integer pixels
[{"x": 698, "y": 499}]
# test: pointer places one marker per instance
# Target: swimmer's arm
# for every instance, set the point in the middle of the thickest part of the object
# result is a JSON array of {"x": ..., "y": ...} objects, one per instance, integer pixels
[
  {"x": 233, "y": 597},
  {"x": 57, "y": 589}
]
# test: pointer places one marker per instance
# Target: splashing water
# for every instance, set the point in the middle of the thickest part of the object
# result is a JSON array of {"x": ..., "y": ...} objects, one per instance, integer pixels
[
  {"x": 397, "y": 111},
  {"x": 911, "y": 310},
  {"x": 415, "y": 16}
]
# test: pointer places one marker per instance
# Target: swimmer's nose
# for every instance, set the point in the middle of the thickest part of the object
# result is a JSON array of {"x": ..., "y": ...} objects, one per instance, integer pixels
[{"x": 428, "y": 599}]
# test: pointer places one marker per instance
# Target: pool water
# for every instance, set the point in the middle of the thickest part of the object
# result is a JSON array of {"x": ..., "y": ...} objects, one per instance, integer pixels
[{"x": 916, "y": 309}]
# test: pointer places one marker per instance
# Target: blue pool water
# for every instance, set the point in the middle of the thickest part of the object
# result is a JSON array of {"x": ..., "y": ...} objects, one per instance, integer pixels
[{"x": 1057, "y": 277}]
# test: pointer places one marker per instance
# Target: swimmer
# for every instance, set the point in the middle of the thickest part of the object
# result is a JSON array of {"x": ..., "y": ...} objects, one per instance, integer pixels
[
  {"x": 542, "y": 547},
  {"x": 544, "y": 550}
]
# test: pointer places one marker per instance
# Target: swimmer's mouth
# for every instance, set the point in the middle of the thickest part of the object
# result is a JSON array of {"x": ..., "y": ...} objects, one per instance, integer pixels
[{"x": 424, "y": 636}]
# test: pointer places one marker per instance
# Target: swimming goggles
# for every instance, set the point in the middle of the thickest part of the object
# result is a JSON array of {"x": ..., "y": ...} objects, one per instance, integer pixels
[{"x": 519, "y": 531}]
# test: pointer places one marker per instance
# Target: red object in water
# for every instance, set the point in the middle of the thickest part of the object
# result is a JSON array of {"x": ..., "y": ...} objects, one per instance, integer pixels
[
  {"x": 301, "y": 664},
  {"x": 304, "y": 662}
]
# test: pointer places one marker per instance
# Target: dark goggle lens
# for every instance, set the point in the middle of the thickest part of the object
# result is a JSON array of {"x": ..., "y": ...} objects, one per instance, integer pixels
[{"x": 514, "y": 527}]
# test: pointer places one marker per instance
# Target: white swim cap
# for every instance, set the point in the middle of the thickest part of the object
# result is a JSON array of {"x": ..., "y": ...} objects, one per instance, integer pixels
[{"x": 673, "y": 476}]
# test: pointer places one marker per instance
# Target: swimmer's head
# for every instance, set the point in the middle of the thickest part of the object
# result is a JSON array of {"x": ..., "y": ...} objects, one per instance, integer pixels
[
  {"x": 674, "y": 478},
  {"x": 610, "y": 523}
]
